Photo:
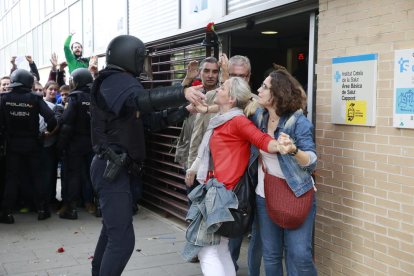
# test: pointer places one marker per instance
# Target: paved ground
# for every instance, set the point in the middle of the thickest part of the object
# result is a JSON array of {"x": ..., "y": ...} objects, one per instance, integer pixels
[{"x": 29, "y": 247}]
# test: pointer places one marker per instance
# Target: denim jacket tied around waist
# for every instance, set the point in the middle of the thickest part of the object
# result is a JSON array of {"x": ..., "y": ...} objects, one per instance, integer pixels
[
  {"x": 209, "y": 209},
  {"x": 300, "y": 129}
]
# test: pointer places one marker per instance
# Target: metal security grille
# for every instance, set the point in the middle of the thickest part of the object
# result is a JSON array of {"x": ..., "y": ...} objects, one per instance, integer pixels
[{"x": 164, "y": 185}]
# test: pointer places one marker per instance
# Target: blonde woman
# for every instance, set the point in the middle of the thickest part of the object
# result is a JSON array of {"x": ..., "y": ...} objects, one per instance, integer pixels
[{"x": 227, "y": 140}]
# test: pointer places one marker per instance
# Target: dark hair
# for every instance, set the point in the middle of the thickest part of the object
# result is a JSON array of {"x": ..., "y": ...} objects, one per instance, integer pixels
[
  {"x": 5, "y": 78},
  {"x": 208, "y": 60},
  {"x": 37, "y": 83},
  {"x": 65, "y": 88},
  {"x": 71, "y": 46},
  {"x": 50, "y": 83},
  {"x": 286, "y": 93}
]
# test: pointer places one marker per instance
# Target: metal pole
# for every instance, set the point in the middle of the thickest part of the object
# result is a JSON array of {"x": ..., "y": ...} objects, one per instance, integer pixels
[{"x": 311, "y": 66}]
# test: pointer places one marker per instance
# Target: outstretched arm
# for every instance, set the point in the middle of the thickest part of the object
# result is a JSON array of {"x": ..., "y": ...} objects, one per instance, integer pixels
[
  {"x": 33, "y": 67},
  {"x": 93, "y": 66},
  {"x": 160, "y": 120},
  {"x": 13, "y": 62},
  {"x": 70, "y": 58},
  {"x": 130, "y": 94},
  {"x": 192, "y": 73},
  {"x": 224, "y": 67},
  {"x": 248, "y": 131},
  {"x": 61, "y": 73},
  {"x": 164, "y": 97}
]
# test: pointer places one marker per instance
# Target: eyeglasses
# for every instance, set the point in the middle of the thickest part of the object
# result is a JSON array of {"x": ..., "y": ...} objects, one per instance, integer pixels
[
  {"x": 238, "y": 75},
  {"x": 264, "y": 86}
]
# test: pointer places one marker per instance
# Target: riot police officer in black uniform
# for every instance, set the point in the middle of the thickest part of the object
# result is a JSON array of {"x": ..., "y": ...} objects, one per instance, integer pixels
[
  {"x": 118, "y": 102},
  {"x": 75, "y": 141},
  {"x": 19, "y": 121}
]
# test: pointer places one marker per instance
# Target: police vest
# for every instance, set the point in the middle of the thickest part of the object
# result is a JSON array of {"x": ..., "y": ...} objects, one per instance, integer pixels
[
  {"x": 124, "y": 131},
  {"x": 21, "y": 113},
  {"x": 82, "y": 100}
]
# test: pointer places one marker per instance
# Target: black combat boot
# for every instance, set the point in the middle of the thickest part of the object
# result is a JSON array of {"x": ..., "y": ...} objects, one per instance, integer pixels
[
  {"x": 43, "y": 214},
  {"x": 43, "y": 211},
  {"x": 70, "y": 212}
]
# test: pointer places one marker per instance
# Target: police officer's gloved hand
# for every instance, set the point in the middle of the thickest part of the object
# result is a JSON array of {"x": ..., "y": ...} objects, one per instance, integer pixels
[{"x": 176, "y": 115}]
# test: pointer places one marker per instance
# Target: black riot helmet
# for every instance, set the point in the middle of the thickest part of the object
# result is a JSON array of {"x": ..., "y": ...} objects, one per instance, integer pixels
[
  {"x": 127, "y": 52},
  {"x": 21, "y": 78},
  {"x": 79, "y": 78}
]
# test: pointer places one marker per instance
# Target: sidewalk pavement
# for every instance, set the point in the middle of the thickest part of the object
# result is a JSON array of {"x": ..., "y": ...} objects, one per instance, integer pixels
[{"x": 29, "y": 247}]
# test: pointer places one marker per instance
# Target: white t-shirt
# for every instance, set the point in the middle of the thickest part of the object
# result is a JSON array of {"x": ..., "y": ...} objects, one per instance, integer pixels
[
  {"x": 273, "y": 167},
  {"x": 50, "y": 141}
]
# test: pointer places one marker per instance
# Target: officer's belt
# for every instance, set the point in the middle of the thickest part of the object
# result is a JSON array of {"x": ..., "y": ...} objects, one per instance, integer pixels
[{"x": 133, "y": 167}]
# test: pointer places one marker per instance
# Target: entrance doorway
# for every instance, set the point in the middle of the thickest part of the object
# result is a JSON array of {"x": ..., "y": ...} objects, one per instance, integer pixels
[{"x": 289, "y": 47}]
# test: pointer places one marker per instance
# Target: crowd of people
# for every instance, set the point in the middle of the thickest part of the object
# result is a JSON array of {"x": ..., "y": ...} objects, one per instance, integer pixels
[
  {"x": 37, "y": 122},
  {"x": 280, "y": 96},
  {"x": 93, "y": 129}
]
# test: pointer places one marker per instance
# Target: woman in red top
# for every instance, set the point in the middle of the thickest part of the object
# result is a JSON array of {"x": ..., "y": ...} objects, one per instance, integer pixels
[{"x": 227, "y": 140}]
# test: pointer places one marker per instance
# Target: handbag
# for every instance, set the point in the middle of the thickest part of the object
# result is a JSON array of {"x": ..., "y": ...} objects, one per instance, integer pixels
[
  {"x": 243, "y": 215},
  {"x": 282, "y": 205}
]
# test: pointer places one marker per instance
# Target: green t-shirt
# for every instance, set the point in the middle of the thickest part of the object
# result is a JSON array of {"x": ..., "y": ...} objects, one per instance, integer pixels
[{"x": 73, "y": 62}]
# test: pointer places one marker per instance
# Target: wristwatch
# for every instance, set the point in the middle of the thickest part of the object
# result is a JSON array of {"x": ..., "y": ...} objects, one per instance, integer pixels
[{"x": 293, "y": 153}]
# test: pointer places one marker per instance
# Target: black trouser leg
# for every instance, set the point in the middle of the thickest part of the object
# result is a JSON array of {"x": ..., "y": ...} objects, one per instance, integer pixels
[
  {"x": 2, "y": 177},
  {"x": 12, "y": 179},
  {"x": 87, "y": 189},
  {"x": 117, "y": 239},
  {"x": 73, "y": 177},
  {"x": 40, "y": 187}
]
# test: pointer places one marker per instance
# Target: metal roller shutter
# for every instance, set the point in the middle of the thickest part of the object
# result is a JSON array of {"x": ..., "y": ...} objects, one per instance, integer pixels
[{"x": 164, "y": 186}]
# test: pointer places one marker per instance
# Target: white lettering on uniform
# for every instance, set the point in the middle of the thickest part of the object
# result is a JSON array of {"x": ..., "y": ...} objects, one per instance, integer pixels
[
  {"x": 19, "y": 104},
  {"x": 19, "y": 113}
]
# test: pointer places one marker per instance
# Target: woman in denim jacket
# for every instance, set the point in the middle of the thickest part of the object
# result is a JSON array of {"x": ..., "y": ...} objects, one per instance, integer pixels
[{"x": 282, "y": 118}]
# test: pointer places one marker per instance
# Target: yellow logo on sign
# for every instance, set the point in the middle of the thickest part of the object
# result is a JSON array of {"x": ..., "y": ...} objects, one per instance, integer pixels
[{"x": 356, "y": 112}]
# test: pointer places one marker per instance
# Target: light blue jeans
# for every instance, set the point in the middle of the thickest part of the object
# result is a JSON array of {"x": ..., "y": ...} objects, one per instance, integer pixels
[{"x": 297, "y": 244}]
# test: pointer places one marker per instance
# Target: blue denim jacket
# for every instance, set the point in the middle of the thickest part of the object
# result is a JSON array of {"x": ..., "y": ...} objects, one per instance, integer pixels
[
  {"x": 300, "y": 129},
  {"x": 209, "y": 209}
]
